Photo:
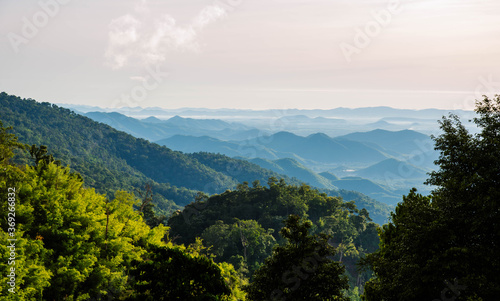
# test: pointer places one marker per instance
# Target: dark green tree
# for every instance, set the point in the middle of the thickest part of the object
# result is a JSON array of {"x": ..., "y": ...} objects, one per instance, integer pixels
[
  {"x": 171, "y": 274},
  {"x": 401, "y": 264},
  {"x": 445, "y": 246},
  {"x": 302, "y": 269},
  {"x": 8, "y": 143},
  {"x": 147, "y": 207},
  {"x": 245, "y": 244}
]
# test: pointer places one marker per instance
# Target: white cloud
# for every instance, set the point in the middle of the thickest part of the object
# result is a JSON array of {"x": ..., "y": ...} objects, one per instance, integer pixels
[
  {"x": 143, "y": 39},
  {"x": 208, "y": 15}
]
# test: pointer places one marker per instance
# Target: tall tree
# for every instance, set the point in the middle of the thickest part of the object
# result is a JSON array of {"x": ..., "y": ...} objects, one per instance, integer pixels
[
  {"x": 172, "y": 274},
  {"x": 445, "y": 246},
  {"x": 8, "y": 143},
  {"x": 302, "y": 269},
  {"x": 245, "y": 244}
]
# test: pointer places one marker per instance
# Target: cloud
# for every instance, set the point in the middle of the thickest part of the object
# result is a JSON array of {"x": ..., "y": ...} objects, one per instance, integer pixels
[
  {"x": 142, "y": 39},
  {"x": 208, "y": 15}
]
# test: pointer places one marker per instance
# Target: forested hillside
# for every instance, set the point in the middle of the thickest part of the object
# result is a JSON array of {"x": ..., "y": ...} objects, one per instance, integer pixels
[{"x": 109, "y": 160}]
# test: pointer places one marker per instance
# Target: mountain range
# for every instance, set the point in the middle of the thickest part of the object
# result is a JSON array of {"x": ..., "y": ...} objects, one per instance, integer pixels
[
  {"x": 387, "y": 161},
  {"x": 153, "y": 128},
  {"x": 316, "y": 148},
  {"x": 333, "y": 122},
  {"x": 111, "y": 160}
]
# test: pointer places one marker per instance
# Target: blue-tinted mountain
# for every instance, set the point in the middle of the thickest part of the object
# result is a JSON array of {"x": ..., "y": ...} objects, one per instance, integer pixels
[
  {"x": 370, "y": 188},
  {"x": 392, "y": 169},
  {"x": 329, "y": 176},
  {"x": 244, "y": 148},
  {"x": 402, "y": 142},
  {"x": 206, "y": 124},
  {"x": 318, "y": 148},
  {"x": 152, "y": 119},
  {"x": 153, "y": 128},
  {"x": 322, "y": 148},
  {"x": 294, "y": 169}
]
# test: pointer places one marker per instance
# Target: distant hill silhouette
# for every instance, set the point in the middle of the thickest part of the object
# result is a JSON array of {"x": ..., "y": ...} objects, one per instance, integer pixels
[
  {"x": 392, "y": 168},
  {"x": 402, "y": 142},
  {"x": 153, "y": 128}
]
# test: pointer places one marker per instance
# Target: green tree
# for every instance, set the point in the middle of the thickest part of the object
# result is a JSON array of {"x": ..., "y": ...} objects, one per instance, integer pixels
[
  {"x": 402, "y": 265},
  {"x": 245, "y": 244},
  {"x": 147, "y": 207},
  {"x": 41, "y": 155},
  {"x": 446, "y": 245},
  {"x": 302, "y": 269},
  {"x": 72, "y": 243},
  {"x": 173, "y": 274},
  {"x": 8, "y": 143}
]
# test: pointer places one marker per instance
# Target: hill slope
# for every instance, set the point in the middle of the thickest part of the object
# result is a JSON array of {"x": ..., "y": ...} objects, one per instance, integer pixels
[
  {"x": 391, "y": 168},
  {"x": 109, "y": 159},
  {"x": 292, "y": 168}
]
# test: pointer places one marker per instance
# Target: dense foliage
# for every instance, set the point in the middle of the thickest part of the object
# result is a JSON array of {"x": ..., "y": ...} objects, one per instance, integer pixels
[
  {"x": 72, "y": 243},
  {"x": 446, "y": 245},
  {"x": 302, "y": 269},
  {"x": 241, "y": 226},
  {"x": 200, "y": 279}
]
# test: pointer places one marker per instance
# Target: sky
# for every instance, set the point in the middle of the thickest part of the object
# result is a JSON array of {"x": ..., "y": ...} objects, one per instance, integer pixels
[{"x": 251, "y": 54}]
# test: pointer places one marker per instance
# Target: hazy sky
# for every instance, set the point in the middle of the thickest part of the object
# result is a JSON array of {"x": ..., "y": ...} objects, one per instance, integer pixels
[{"x": 251, "y": 53}]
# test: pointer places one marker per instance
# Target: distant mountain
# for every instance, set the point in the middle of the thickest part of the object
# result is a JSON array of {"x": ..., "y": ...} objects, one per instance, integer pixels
[
  {"x": 392, "y": 169},
  {"x": 403, "y": 142},
  {"x": 367, "y": 155},
  {"x": 333, "y": 122},
  {"x": 373, "y": 113},
  {"x": 307, "y": 119},
  {"x": 322, "y": 148},
  {"x": 153, "y": 128},
  {"x": 292, "y": 168},
  {"x": 191, "y": 144},
  {"x": 329, "y": 176},
  {"x": 304, "y": 123},
  {"x": 318, "y": 148},
  {"x": 130, "y": 125},
  {"x": 370, "y": 188},
  {"x": 206, "y": 124},
  {"x": 152, "y": 119}
]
